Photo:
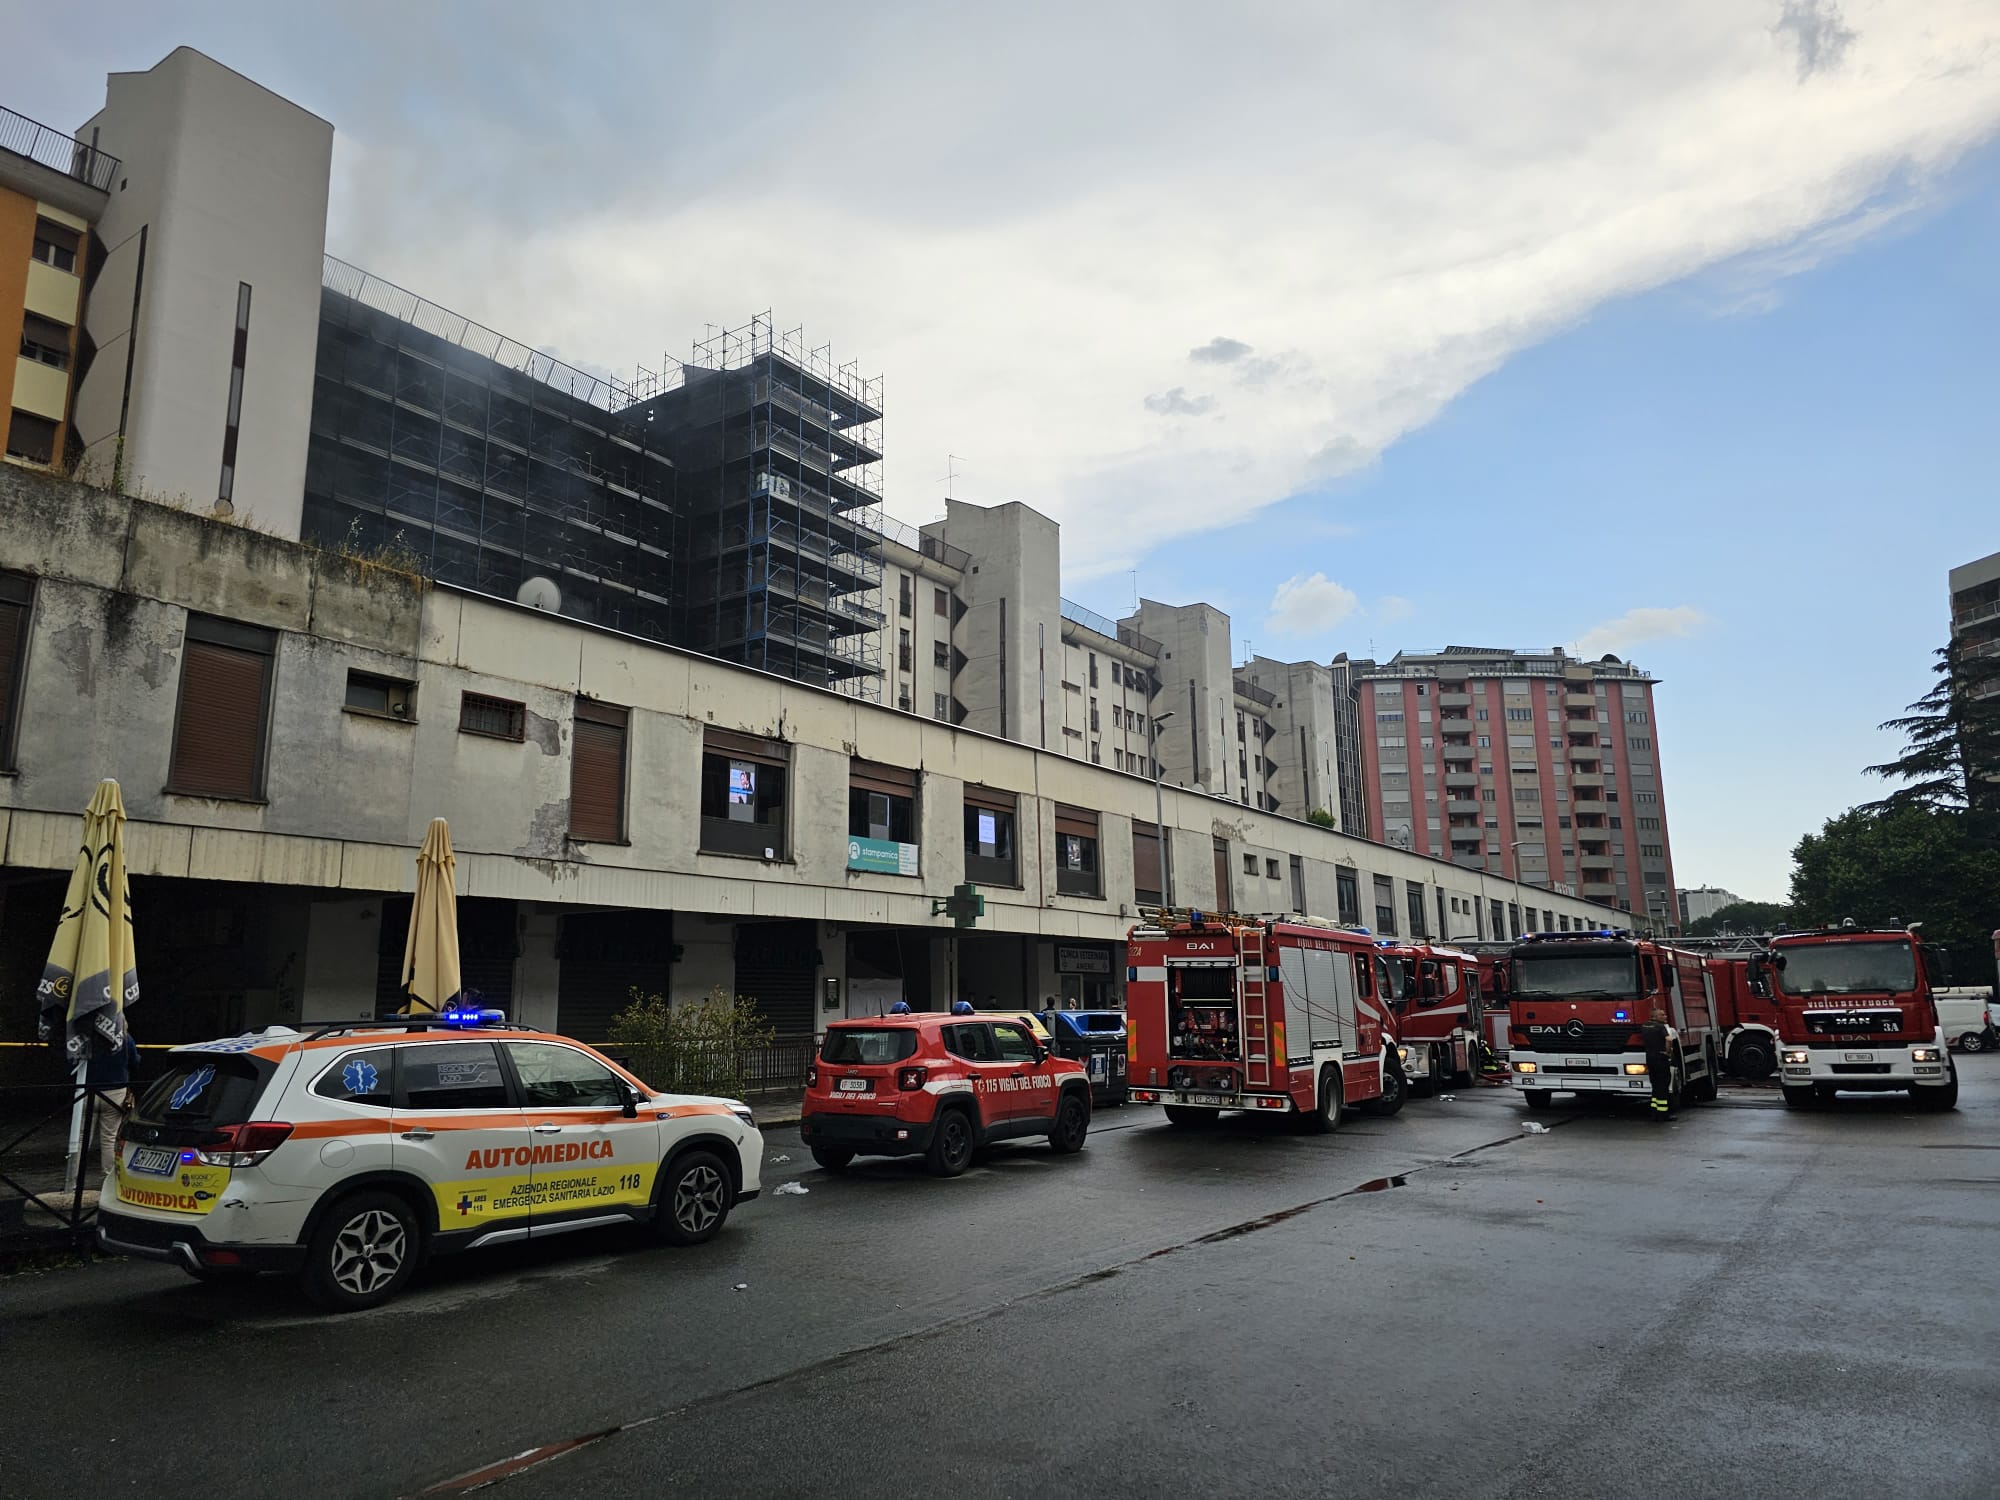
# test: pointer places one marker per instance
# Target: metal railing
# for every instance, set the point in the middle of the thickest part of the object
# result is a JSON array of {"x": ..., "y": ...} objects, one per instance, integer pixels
[
  {"x": 734, "y": 1072},
  {"x": 1110, "y": 629},
  {"x": 38, "y": 1209},
  {"x": 903, "y": 534},
  {"x": 59, "y": 152}
]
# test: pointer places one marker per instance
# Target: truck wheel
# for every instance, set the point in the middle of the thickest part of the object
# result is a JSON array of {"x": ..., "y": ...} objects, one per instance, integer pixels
[
  {"x": 1752, "y": 1056},
  {"x": 1705, "y": 1089},
  {"x": 1461, "y": 1078},
  {"x": 951, "y": 1144},
  {"x": 1799, "y": 1095},
  {"x": 1395, "y": 1090},
  {"x": 833, "y": 1158},
  {"x": 1432, "y": 1083},
  {"x": 1538, "y": 1099},
  {"x": 1972, "y": 1041},
  {"x": 1072, "y": 1123},
  {"x": 1824, "y": 1092},
  {"x": 1938, "y": 1100},
  {"x": 1325, "y": 1118},
  {"x": 1187, "y": 1114},
  {"x": 364, "y": 1251}
]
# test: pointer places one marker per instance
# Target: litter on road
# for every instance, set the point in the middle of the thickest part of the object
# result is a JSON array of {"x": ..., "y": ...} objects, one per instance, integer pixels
[
  {"x": 1528, "y": 1127},
  {"x": 790, "y": 1190}
]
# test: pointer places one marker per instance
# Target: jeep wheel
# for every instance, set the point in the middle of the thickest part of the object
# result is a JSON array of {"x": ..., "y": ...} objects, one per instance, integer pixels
[
  {"x": 951, "y": 1144},
  {"x": 363, "y": 1252},
  {"x": 833, "y": 1158},
  {"x": 1072, "y": 1123},
  {"x": 695, "y": 1198}
]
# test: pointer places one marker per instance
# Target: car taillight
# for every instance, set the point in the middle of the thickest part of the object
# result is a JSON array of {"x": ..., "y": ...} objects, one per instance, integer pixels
[
  {"x": 909, "y": 1079},
  {"x": 812, "y": 1075},
  {"x": 242, "y": 1145}
]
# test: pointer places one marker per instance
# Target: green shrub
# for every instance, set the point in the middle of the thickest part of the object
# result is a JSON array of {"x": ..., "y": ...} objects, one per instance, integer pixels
[{"x": 697, "y": 1049}]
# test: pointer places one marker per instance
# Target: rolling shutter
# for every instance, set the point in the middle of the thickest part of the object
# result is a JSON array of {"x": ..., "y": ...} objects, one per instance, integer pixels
[
  {"x": 988, "y": 798},
  {"x": 1076, "y": 820},
  {"x": 893, "y": 781},
  {"x": 219, "y": 732},
  {"x": 597, "y": 773},
  {"x": 738, "y": 746},
  {"x": 1147, "y": 877}
]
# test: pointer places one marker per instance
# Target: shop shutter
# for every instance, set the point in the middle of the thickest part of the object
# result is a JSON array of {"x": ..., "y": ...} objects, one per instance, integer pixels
[
  {"x": 597, "y": 773},
  {"x": 1147, "y": 876},
  {"x": 219, "y": 733},
  {"x": 776, "y": 964}
]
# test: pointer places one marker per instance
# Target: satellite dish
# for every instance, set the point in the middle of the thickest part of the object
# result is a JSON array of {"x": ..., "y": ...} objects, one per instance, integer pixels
[{"x": 540, "y": 593}]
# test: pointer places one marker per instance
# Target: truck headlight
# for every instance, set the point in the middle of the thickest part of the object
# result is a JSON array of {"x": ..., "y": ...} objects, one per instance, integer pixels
[
  {"x": 1924, "y": 1054},
  {"x": 1637, "y": 1070},
  {"x": 1527, "y": 1067},
  {"x": 1402, "y": 1054},
  {"x": 1797, "y": 1059}
]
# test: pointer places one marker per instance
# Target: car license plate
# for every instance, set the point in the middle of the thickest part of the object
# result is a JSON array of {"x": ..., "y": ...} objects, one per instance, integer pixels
[
  {"x": 1216, "y": 1099},
  {"x": 854, "y": 1086},
  {"x": 1858, "y": 1057},
  {"x": 157, "y": 1160}
]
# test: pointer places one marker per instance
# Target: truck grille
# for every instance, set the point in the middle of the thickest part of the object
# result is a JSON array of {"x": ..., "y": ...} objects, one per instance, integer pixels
[{"x": 1570, "y": 1037}]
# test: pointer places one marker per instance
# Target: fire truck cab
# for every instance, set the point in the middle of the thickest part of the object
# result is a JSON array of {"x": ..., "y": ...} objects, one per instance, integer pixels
[
  {"x": 1579, "y": 1000},
  {"x": 1746, "y": 1015},
  {"x": 1856, "y": 1012},
  {"x": 1284, "y": 1015},
  {"x": 1437, "y": 998}
]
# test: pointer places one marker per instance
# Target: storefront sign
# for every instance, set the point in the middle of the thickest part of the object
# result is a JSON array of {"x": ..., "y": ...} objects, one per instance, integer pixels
[
  {"x": 881, "y": 856},
  {"x": 1083, "y": 961}
]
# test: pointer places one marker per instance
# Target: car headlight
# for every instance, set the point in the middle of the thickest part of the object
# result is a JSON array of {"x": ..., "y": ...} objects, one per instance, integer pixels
[
  {"x": 1635, "y": 1069},
  {"x": 1527, "y": 1067},
  {"x": 1924, "y": 1054},
  {"x": 1797, "y": 1059},
  {"x": 743, "y": 1113}
]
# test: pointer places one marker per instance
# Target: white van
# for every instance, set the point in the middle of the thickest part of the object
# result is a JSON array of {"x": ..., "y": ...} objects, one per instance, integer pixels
[{"x": 1966, "y": 1015}]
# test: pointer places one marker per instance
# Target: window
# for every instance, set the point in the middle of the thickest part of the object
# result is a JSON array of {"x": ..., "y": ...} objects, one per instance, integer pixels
[
  {"x": 597, "y": 773},
  {"x": 1148, "y": 882},
  {"x": 1347, "y": 895},
  {"x": 56, "y": 244},
  {"x": 1638, "y": 742},
  {"x": 904, "y": 602},
  {"x": 1298, "y": 883},
  {"x": 1644, "y": 798},
  {"x": 1520, "y": 715},
  {"x": 17, "y": 597},
  {"x": 1635, "y": 716},
  {"x": 1395, "y": 718},
  {"x": 1499, "y": 926},
  {"x": 1270, "y": 869},
  {"x": 31, "y": 437},
  {"x": 451, "y": 1075},
  {"x": 44, "y": 341},
  {"x": 389, "y": 697},
  {"x": 1117, "y": 760},
  {"x": 882, "y": 809},
  {"x": 1480, "y": 715},
  {"x": 224, "y": 718},
  {"x": 1249, "y": 864},
  {"x": 889, "y": 1045},
  {"x": 496, "y": 718},
  {"x": 1414, "y": 894},
  {"x": 1486, "y": 742},
  {"x": 989, "y": 837},
  {"x": 941, "y": 707},
  {"x": 743, "y": 782},
  {"x": 239, "y": 354},
  {"x": 940, "y": 653},
  {"x": 1649, "y": 825},
  {"x": 903, "y": 699},
  {"x": 1076, "y": 851},
  {"x": 972, "y": 1042},
  {"x": 1652, "y": 851},
  {"x": 1385, "y": 906},
  {"x": 903, "y": 658},
  {"x": 1014, "y": 1043},
  {"x": 554, "y": 1077},
  {"x": 366, "y": 1077},
  {"x": 1093, "y": 667},
  {"x": 940, "y": 602}
]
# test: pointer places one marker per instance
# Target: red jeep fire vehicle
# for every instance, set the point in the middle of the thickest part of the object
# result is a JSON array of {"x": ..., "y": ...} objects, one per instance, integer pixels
[
  {"x": 1579, "y": 1000},
  {"x": 1280, "y": 1014},
  {"x": 1855, "y": 1012},
  {"x": 1437, "y": 998}
]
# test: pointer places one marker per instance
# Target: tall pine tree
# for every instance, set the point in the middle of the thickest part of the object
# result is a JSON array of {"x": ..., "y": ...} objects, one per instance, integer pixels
[{"x": 1951, "y": 762}]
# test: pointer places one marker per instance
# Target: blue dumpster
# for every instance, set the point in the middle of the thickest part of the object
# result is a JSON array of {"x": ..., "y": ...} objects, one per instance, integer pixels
[{"x": 1095, "y": 1038}]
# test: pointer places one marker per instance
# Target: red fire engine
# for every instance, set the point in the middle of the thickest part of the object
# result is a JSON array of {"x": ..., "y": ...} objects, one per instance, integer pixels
[
  {"x": 1579, "y": 1000},
  {"x": 1746, "y": 1015},
  {"x": 1438, "y": 1003},
  {"x": 1855, "y": 1012},
  {"x": 1259, "y": 1014}
]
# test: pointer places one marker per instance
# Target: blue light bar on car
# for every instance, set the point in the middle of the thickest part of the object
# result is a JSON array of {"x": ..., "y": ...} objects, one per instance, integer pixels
[{"x": 469, "y": 1018}]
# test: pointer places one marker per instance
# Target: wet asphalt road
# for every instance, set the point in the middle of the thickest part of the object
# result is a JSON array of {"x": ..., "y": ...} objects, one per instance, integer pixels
[{"x": 1744, "y": 1302}]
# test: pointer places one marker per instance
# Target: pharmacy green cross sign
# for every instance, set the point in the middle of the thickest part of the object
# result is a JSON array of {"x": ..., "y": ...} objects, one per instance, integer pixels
[{"x": 965, "y": 906}]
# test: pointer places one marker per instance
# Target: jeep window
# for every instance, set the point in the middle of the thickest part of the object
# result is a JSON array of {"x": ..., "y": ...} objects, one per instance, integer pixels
[
  {"x": 1014, "y": 1042},
  {"x": 972, "y": 1042},
  {"x": 868, "y": 1045},
  {"x": 452, "y": 1075},
  {"x": 365, "y": 1077},
  {"x": 205, "y": 1088},
  {"x": 1603, "y": 976},
  {"x": 555, "y": 1077}
]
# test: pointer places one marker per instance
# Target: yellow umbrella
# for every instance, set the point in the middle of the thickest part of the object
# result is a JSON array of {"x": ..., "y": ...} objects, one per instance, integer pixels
[
  {"x": 91, "y": 975},
  {"x": 430, "y": 952}
]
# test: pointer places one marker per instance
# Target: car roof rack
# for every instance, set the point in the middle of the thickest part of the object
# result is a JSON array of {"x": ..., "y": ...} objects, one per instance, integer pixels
[{"x": 314, "y": 1030}]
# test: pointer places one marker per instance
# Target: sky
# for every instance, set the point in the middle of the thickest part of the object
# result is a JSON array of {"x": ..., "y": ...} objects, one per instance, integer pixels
[{"x": 1661, "y": 330}]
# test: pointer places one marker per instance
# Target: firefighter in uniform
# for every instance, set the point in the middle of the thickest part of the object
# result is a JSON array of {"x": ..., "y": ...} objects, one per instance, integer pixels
[{"x": 1660, "y": 1043}]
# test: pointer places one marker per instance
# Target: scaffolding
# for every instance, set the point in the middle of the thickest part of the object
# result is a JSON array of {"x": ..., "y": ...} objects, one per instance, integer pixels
[{"x": 778, "y": 452}]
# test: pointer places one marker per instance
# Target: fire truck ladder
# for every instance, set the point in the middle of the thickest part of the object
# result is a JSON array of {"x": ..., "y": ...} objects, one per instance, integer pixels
[{"x": 1254, "y": 977}]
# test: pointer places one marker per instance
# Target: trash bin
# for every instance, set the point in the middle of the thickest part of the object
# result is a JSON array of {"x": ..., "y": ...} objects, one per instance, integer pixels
[{"x": 1095, "y": 1038}]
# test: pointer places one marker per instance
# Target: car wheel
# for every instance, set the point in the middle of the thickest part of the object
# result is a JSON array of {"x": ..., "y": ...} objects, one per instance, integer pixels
[
  {"x": 363, "y": 1252},
  {"x": 1395, "y": 1092},
  {"x": 951, "y": 1144},
  {"x": 833, "y": 1158},
  {"x": 1185, "y": 1114},
  {"x": 1799, "y": 1095},
  {"x": 1752, "y": 1057},
  {"x": 1072, "y": 1124},
  {"x": 695, "y": 1199},
  {"x": 1538, "y": 1099},
  {"x": 1972, "y": 1041}
]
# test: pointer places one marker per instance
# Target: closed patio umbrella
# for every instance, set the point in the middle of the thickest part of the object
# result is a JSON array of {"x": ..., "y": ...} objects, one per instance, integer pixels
[
  {"x": 430, "y": 952},
  {"x": 91, "y": 974}
]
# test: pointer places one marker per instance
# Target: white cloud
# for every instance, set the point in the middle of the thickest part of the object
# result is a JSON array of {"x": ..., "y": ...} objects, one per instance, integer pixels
[
  {"x": 1393, "y": 607},
  {"x": 1029, "y": 240},
  {"x": 1309, "y": 604},
  {"x": 1637, "y": 626}
]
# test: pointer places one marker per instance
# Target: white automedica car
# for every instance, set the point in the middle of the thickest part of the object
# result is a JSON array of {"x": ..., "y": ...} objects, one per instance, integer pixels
[{"x": 347, "y": 1154}]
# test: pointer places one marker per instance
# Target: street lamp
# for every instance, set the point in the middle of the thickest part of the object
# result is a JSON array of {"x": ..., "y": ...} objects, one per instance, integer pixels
[{"x": 1159, "y": 809}]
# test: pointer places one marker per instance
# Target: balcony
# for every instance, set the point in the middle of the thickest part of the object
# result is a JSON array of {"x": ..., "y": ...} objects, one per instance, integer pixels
[
  {"x": 1582, "y": 779},
  {"x": 1460, "y": 752},
  {"x": 1465, "y": 780},
  {"x": 1587, "y": 804},
  {"x": 1599, "y": 890},
  {"x": 903, "y": 534},
  {"x": 1454, "y": 700},
  {"x": 1596, "y": 862},
  {"x": 1111, "y": 630},
  {"x": 1574, "y": 699},
  {"x": 60, "y": 169},
  {"x": 1464, "y": 805}
]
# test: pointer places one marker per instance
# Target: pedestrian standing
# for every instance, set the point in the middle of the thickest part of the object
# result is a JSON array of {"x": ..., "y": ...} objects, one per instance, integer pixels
[
  {"x": 1661, "y": 1041},
  {"x": 109, "y": 1074}
]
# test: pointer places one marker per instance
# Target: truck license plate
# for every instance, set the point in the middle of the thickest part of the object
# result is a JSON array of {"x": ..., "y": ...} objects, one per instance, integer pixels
[
  {"x": 1576, "y": 1062},
  {"x": 854, "y": 1085},
  {"x": 156, "y": 1160},
  {"x": 1215, "y": 1099},
  {"x": 1858, "y": 1057}
]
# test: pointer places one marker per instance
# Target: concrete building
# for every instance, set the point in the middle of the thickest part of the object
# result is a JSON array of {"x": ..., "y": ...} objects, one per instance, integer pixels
[
  {"x": 285, "y": 721},
  {"x": 1530, "y": 766},
  {"x": 1975, "y": 622},
  {"x": 53, "y": 188},
  {"x": 1704, "y": 901}
]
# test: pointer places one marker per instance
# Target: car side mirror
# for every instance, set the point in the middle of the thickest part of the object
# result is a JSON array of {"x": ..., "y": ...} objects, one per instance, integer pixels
[
  {"x": 1041, "y": 1052},
  {"x": 628, "y": 1098}
]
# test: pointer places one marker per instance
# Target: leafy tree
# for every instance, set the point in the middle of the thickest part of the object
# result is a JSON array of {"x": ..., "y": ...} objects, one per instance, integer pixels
[
  {"x": 1742, "y": 918},
  {"x": 1951, "y": 761}
]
